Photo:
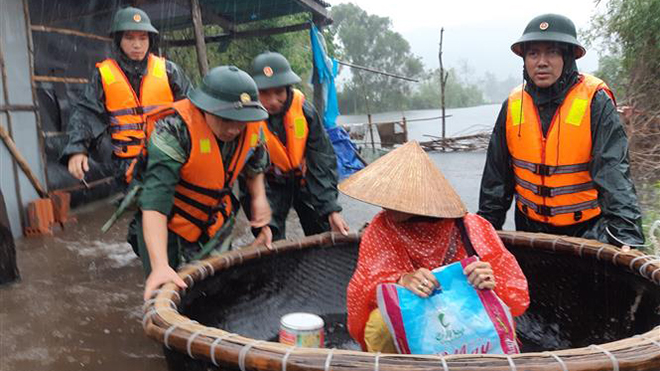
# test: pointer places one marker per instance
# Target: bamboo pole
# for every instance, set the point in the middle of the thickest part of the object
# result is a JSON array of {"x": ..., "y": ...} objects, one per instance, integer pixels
[{"x": 200, "y": 43}]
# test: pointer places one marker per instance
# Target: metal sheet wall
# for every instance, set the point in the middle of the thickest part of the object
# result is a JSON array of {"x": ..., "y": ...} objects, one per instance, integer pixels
[{"x": 22, "y": 125}]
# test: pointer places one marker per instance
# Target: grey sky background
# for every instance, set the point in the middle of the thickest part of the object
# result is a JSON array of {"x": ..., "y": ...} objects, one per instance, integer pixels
[{"x": 477, "y": 31}]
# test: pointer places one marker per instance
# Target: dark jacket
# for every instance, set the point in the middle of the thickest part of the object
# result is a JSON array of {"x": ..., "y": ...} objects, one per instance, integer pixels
[
  {"x": 89, "y": 119},
  {"x": 316, "y": 197},
  {"x": 321, "y": 176},
  {"x": 609, "y": 168}
]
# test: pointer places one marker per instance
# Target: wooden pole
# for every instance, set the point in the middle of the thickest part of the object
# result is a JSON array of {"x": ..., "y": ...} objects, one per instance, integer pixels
[
  {"x": 11, "y": 146},
  {"x": 443, "y": 83},
  {"x": 200, "y": 43}
]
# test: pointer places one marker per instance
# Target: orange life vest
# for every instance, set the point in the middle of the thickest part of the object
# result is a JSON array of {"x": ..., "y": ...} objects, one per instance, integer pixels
[
  {"x": 292, "y": 157},
  {"x": 126, "y": 109},
  {"x": 203, "y": 198},
  {"x": 553, "y": 184}
]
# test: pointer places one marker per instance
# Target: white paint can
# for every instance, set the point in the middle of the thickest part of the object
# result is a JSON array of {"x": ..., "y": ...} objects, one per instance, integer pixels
[{"x": 302, "y": 330}]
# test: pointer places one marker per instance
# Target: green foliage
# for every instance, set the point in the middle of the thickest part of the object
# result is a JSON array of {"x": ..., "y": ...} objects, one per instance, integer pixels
[
  {"x": 632, "y": 26},
  {"x": 630, "y": 31},
  {"x": 368, "y": 40}
]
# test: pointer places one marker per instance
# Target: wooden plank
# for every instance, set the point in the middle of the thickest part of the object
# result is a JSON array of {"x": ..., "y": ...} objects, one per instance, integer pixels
[
  {"x": 66, "y": 80},
  {"x": 17, "y": 107},
  {"x": 65, "y": 31}
]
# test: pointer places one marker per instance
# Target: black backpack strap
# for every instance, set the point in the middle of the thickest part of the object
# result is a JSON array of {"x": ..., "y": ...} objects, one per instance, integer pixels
[{"x": 464, "y": 236}]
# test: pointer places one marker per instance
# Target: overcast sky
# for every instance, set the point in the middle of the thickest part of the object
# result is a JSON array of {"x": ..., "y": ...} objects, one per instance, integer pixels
[{"x": 477, "y": 31}]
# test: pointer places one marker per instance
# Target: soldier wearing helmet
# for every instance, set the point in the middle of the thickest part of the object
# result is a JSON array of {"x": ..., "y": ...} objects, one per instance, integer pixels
[
  {"x": 121, "y": 91},
  {"x": 558, "y": 146},
  {"x": 303, "y": 171},
  {"x": 196, "y": 149}
]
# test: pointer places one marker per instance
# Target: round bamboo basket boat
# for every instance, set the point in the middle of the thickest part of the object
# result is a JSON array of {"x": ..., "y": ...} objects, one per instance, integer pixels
[{"x": 593, "y": 307}]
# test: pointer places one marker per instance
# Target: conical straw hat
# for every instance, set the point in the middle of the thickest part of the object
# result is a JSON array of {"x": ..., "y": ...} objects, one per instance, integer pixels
[{"x": 406, "y": 180}]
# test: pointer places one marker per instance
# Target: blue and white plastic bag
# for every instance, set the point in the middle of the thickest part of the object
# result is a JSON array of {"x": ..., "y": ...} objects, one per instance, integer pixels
[{"x": 457, "y": 319}]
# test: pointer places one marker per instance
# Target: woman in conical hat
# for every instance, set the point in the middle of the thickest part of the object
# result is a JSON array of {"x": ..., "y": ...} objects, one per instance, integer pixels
[{"x": 419, "y": 229}]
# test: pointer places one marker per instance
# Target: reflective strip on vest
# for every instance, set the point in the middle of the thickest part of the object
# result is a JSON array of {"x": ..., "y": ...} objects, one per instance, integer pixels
[
  {"x": 125, "y": 109},
  {"x": 546, "y": 170},
  {"x": 203, "y": 200},
  {"x": 133, "y": 111},
  {"x": 552, "y": 179},
  {"x": 556, "y": 191},
  {"x": 557, "y": 210},
  {"x": 116, "y": 129},
  {"x": 292, "y": 157}
]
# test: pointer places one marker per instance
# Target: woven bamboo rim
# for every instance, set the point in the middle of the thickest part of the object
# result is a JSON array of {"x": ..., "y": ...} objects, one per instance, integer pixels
[{"x": 165, "y": 324}]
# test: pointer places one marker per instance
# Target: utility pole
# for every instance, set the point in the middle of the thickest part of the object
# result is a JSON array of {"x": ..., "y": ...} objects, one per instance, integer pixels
[{"x": 443, "y": 82}]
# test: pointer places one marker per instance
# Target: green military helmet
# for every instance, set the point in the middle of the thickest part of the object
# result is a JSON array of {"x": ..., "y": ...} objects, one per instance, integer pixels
[
  {"x": 550, "y": 27},
  {"x": 131, "y": 19},
  {"x": 229, "y": 93},
  {"x": 272, "y": 70}
]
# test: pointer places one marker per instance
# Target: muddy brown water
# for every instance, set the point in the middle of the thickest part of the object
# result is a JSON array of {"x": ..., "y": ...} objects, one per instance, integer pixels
[{"x": 78, "y": 304}]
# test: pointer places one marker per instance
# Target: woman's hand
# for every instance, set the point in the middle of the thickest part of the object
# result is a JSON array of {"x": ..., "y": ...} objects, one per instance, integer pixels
[
  {"x": 421, "y": 282},
  {"x": 480, "y": 275}
]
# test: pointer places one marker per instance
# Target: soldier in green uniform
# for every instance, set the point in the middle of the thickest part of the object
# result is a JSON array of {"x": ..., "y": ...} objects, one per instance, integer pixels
[
  {"x": 196, "y": 151},
  {"x": 303, "y": 170},
  {"x": 120, "y": 90},
  {"x": 559, "y": 147}
]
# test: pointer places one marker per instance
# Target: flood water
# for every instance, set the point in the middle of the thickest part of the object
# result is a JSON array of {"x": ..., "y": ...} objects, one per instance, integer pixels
[{"x": 78, "y": 304}]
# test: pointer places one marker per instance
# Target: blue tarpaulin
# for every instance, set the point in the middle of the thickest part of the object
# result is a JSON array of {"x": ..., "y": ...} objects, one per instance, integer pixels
[
  {"x": 326, "y": 71},
  {"x": 347, "y": 160}
]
